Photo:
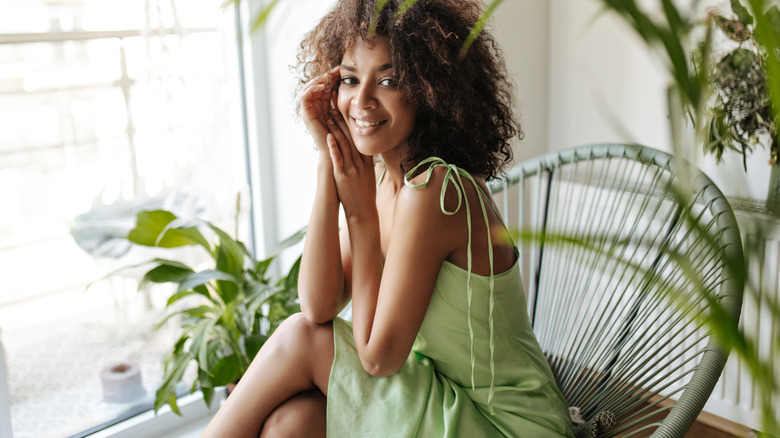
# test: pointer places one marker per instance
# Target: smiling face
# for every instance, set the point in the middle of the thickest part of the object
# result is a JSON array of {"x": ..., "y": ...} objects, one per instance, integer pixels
[{"x": 379, "y": 120}]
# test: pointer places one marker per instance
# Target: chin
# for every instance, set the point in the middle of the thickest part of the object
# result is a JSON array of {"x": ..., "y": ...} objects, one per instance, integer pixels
[{"x": 366, "y": 150}]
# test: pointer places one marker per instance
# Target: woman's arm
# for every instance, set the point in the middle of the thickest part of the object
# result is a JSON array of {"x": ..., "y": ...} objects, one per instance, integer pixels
[
  {"x": 389, "y": 301},
  {"x": 321, "y": 281}
]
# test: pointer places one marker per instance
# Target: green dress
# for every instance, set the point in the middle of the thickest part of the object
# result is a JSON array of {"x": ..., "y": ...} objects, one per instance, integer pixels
[{"x": 471, "y": 372}]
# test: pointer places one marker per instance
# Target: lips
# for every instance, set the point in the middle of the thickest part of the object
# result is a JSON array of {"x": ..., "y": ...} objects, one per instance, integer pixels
[{"x": 366, "y": 123}]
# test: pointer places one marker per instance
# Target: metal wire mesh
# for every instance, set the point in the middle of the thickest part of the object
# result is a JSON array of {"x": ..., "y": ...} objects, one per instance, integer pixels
[{"x": 624, "y": 254}]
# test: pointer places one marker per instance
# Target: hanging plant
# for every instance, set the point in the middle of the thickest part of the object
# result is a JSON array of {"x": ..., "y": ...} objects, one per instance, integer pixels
[{"x": 740, "y": 113}]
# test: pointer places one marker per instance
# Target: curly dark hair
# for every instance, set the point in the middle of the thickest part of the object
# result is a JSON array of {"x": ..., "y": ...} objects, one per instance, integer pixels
[{"x": 463, "y": 106}]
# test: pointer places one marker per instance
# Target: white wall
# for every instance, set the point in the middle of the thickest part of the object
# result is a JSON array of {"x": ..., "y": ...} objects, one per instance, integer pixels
[
  {"x": 521, "y": 28},
  {"x": 606, "y": 85},
  {"x": 581, "y": 77}
]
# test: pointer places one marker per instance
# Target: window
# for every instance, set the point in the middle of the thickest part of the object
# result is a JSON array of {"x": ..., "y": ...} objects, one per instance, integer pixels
[{"x": 107, "y": 107}]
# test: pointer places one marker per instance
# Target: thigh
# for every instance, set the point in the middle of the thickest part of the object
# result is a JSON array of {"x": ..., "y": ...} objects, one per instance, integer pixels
[{"x": 302, "y": 415}]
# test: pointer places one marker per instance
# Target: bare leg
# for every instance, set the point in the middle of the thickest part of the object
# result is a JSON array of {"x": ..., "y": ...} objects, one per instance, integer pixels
[
  {"x": 302, "y": 416},
  {"x": 297, "y": 358}
]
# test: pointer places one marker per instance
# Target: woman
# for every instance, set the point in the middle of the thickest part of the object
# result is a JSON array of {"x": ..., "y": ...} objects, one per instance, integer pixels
[{"x": 439, "y": 343}]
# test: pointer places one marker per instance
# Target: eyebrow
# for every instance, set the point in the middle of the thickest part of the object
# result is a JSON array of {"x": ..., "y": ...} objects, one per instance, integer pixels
[{"x": 381, "y": 68}]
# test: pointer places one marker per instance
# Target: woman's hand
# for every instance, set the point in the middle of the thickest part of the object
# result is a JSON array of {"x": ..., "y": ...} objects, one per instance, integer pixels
[
  {"x": 316, "y": 104},
  {"x": 352, "y": 171}
]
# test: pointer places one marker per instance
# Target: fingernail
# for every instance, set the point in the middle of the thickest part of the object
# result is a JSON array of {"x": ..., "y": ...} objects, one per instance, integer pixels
[{"x": 330, "y": 121}]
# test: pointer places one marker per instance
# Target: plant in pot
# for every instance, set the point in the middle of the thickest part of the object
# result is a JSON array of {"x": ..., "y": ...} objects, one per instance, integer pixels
[
  {"x": 225, "y": 312},
  {"x": 740, "y": 114}
]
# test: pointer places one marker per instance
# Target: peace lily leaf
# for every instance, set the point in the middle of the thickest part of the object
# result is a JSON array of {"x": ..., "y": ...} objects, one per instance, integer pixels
[
  {"x": 165, "y": 273},
  {"x": 253, "y": 344},
  {"x": 206, "y": 387},
  {"x": 152, "y": 230},
  {"x": 291, "y": 280},
  {"x": 199, "y": 312},
  {"x": 179, "y": 295},
  {"x": 166, "y": 393},
  {"x": 199, "y": 344},
  {"x": 293, "y": 239},
  {"x": 204, "y": 277},
  {"x": 230, "y": 259},
  {"x": 261, "y": 267},
  {"x": 227, "y": 370}
]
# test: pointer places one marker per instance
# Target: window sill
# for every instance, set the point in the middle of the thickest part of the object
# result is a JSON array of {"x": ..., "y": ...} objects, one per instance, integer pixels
[{"x": 195, "y": 415}]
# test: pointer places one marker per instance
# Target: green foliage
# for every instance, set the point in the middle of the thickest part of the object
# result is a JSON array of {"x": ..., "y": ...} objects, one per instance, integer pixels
[
  {"x": 757, "y": 22},
  {"x": 225, "y": 312},
  {"x": 740, "y": 108}
]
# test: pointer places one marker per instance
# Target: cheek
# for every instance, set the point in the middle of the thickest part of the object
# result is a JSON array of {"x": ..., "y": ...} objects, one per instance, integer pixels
[{"x": 342, "y": 102}]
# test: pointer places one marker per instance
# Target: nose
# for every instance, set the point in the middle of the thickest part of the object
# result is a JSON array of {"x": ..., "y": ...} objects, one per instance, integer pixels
[{"x": 365, "y": 98}]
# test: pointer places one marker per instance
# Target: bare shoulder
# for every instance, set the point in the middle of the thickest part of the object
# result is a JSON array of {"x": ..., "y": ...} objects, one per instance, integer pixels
[
  {"x": 419, "y": 203},
  {"x": 434, "y": 187}
]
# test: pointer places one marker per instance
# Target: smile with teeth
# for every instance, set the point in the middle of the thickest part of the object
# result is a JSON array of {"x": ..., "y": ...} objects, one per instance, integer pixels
[{"x": 366, "y": 124}]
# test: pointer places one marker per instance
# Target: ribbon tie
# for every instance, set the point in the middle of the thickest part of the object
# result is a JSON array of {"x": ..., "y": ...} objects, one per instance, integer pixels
[{"x": 455, "y": 176}]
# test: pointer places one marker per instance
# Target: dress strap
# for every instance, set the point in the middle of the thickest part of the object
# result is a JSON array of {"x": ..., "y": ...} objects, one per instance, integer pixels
[
  {"x": 381, "y": 177},
  {"x": 454, "y": 178}
]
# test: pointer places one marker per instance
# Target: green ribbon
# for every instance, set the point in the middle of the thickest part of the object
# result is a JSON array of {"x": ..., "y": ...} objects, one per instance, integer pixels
[{"x": 455, "y": 176}]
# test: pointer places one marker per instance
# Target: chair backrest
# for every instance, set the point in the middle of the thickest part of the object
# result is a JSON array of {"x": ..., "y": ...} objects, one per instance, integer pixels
[{"x": 623, "y": 270}]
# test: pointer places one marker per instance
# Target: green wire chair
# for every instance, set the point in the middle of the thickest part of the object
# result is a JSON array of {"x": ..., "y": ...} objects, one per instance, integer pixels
[{"x": 623, "y": 271}]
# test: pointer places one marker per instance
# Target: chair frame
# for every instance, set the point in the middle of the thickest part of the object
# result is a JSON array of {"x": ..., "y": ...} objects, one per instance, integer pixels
[{"x": 728, "y": 289}]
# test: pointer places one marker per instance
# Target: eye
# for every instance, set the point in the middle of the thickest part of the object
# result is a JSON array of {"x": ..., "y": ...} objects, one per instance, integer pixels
[
  {"x": 388, "y": 82},
  {"x": 348, "y": 80}
]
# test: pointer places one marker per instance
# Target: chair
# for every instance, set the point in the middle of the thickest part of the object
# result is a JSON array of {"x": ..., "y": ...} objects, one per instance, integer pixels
[{"x": 623, "y": 272}]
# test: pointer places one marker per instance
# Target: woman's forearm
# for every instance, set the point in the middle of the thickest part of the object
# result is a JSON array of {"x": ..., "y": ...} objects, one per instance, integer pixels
[
  {"x": 321, "y": 277},
  {"x": 366, "y": 278}
]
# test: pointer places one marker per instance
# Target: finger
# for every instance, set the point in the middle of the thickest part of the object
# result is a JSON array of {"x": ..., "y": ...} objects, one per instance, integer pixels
[
  {"x": 342, "y": 124},
  {"x": 334, "y": 100},
  {"x": 341, "y": 141},
  {"x": 310, "y": 95},
  {"x": 335, "y": 153}
]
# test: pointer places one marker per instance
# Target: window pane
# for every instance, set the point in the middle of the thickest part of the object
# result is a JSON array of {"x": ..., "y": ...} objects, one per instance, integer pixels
[{"x": 107, "y": 108}]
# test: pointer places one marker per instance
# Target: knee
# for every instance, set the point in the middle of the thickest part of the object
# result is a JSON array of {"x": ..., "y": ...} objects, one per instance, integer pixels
[
  {"x": 301, "y": 416},
  {"x": 297, "y": 327}
]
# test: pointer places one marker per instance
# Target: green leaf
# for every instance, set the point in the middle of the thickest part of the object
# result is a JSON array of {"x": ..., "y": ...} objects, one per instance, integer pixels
[
  {"x": 253, "y": 344},
  {"x": 193, "y": 312},
  {"x": 208, "y": 393},
  {"x": 741, "y": 12},
  {"x": 174, "y": 373},
  {"x": 477, "y": 28},
  {"x": 290, "y": 282},
  {"x": 204, "y": 277},
  {"x": 200, "y": 311},
  {"x": 292, "y": 240},
  {"x": 262, "y": 17},
  {"x": 261, "y": 267},
  {"x": 165, "y": 273},
  {"x": 179, "y": 295},
  {"x": 227, "y": 370},
  {"x": 199, "y": 345},
  {"x": 230, "y": 259},
  {"x": 153, "y": 229}
]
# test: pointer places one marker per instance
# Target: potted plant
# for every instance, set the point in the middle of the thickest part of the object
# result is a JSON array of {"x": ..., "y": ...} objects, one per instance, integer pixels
[
  {"x": 225, "y": 312},
  {"x": 740, "y": 113}
]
